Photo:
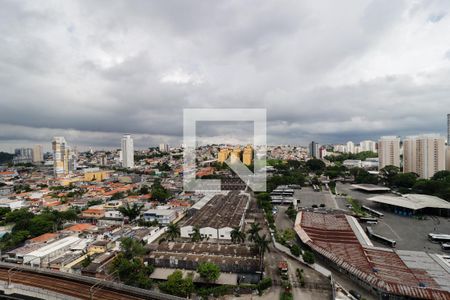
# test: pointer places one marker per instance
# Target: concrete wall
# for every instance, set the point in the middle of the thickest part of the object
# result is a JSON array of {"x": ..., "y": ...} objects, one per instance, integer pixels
[{"x": 32, "y": 291}]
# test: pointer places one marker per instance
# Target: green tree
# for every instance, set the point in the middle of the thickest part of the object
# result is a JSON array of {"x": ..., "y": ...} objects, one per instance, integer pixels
[
  {"x": 291, "y": 212},
  {"x": 237, "y": 236},
  {"x": 118, "y": 195},
  {"x": 196, "y": 235},
  {"x": 253, "y": 232},
  {"x": 18, "y": 214},
  {"x": 388, "y": 173},
  {"x": 308, "y": 257},
  {"x": 131, "y": 247},
  {"x": 86, "y": 261},
  {"x": 131, "y": 212},
  {"x": 132, "y": 271},
  {"x": 315, "y": 165},
  {"x": 262, "y": 245},
  {"x": 144, "y": 190},
  {"x": 442, "y": 176},
  {"x": 363, "y": 176},
  {"x": 177, "y": 285},
  {"x": 404, "y": 180},
  {"x": 295, "y": 250},
  {"x": 159, "y": 193},
  {"x": 208, "y": 271},
  {"x": 173, "y": 231}
]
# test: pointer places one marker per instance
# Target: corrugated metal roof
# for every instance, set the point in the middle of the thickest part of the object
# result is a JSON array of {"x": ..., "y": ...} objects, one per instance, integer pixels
[{"x": 381, "y": 268}]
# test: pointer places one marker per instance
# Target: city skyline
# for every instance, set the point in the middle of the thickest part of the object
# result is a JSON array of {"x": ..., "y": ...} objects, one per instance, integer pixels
[{"x": 369, "y": 77}]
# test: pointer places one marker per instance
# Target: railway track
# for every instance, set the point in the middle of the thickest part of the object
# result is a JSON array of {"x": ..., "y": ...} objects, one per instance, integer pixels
[{"x": 64, "y": 286}]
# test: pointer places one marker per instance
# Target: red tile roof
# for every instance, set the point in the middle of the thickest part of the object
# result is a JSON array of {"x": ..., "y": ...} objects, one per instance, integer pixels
[{"x": 79, "y": 227}]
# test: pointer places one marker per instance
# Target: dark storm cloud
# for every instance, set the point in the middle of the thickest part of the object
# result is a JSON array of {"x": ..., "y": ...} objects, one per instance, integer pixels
[{"x": 328, "y": 71}]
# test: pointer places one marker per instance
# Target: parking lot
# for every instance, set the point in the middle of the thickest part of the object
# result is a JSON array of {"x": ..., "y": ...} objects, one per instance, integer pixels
[
  {"x": 409, "y": 233},
  {"x": 308, "y": 197}
]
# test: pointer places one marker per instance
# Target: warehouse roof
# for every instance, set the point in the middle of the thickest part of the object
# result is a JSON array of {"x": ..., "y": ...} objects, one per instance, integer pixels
[
  {"x": 333, "y": 237},
  {"x": 370, "y": 187},
  {"x": 412, "y": 201},
  {"x": 222, "y": 211},
  {"x": 46, "y": 250}
]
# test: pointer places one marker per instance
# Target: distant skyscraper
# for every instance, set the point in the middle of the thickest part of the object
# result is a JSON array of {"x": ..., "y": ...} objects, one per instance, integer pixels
[
  {"x": 38, "y": 154},
  {"x": 235, "y": 155},
  {"x": 350, "y": 147},
  {"x": 424, "y": 155},
  {"x": 223, "y": 155},
  {"x": 63, "y": 157},
  {"x": 339, "y": 148},
  {"x": 389, "y": 151},
  {"x": 368, "y": 146},
  {"x": 409, "y": 154},
  {"x": 314, "y": 149},
  {"x": 322, "y": 152},
  {"x": 164, "y": 148},
  {"x": 448, "y": 129},
  {"x": 127, "y": 151},
  {"x": 23, "y": 155},
  {"x": 247, "y": 156},
  {"x": 447, "y": 159}
]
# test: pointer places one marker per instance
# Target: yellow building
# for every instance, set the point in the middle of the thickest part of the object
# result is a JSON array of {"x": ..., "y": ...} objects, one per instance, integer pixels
[
  {"x": 96, "y": 176},
  {"x": 235, "y": 155},
  {"x": 247, "y": 157},
  {"x": 223, "y": 155}
]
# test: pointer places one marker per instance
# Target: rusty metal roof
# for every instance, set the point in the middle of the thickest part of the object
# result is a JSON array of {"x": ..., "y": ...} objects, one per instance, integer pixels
[{"x": 332, "y": 236}]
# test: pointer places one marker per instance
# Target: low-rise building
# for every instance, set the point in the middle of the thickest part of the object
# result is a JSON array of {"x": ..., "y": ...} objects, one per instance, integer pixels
[
  {"x": 42, "y": 256},
  {"x": 163, "y": 216},
  {"x": 217, "y": 219}
]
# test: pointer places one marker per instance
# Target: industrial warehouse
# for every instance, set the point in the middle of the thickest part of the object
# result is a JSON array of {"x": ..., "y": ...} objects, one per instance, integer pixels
[
  {"x": 390, "y": 274},
  {"x": 413, "y": 204},
  {"x": 217, "y": 217},
  {"x": 231, "y": 258}
]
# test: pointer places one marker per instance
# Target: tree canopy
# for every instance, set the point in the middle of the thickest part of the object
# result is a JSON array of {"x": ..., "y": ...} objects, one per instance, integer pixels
[
  {"x": 208, "y": 271},
  {"x": 177, "y": 285}
]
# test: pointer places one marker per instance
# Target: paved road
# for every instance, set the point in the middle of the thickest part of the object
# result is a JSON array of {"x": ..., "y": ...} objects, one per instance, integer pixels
[{"x": 308, "y": 197}]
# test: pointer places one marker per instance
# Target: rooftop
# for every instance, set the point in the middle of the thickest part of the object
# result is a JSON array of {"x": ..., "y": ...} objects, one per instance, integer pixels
[
  {"x": 370, "y": 187},
  {"x": 412, "y": 201},
  {"x": 221, "y": 211},
  {"x": 79, "y": 227},
  {"x": 334, "y": 237}
]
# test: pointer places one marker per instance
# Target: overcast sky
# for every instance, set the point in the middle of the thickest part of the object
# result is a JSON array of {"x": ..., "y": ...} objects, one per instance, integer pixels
[{"x": 324, "y": 70}]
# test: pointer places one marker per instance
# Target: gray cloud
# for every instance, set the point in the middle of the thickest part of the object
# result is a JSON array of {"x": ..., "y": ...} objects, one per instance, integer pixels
[{"x": 329, "y": 71}]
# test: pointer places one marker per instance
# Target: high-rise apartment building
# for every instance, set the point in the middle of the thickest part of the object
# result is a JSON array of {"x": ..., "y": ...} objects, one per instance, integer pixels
[
  {"x": 63, "y": 157},
  {"x": 389, "y": 151},
  {"x": 164, "y": 148},
  {"x": 350, "y": 148},
  {"x": 368, "y": 146},
  {"x": 322, "y": 152},
  {"x": 23, "y": 156},
  {"x": 247, "y": 156},
  {"x": 314, "y": 149},
  {"x": 339, "y": 148},
  {"x": 424, "y": 155},
  {"x": 223, "y": 155},
  {"x": 447, "y": 159},
  {"x": 38, "y": 154},
  {"x": 448, "y": 129},
  {"x": 127, "y": 151},
  {"x": 235, "y": 155},
  {"x": 409, "y": 154}
]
